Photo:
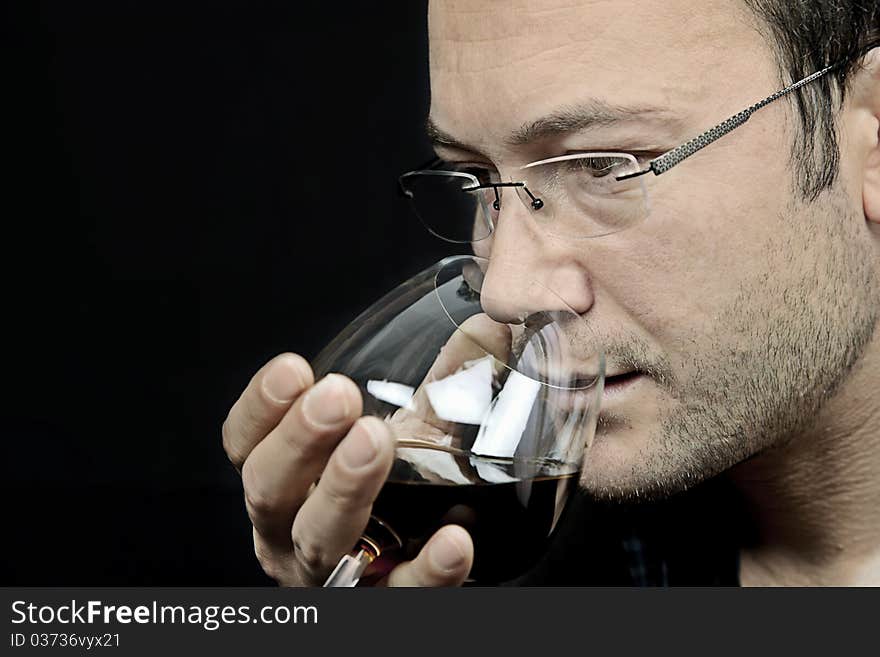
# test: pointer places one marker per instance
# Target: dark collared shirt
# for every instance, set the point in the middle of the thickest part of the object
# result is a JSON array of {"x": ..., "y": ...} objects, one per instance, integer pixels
[{"x": 691, "y": 539}]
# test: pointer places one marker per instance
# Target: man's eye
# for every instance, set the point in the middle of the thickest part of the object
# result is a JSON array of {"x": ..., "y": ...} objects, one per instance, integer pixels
[
  {"x": 597, "y": 167},
  {"x": 484, "y": 174}
]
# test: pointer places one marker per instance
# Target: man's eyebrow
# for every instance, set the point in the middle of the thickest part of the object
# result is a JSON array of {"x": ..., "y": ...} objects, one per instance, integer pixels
[{"x": 567, "y": 120}]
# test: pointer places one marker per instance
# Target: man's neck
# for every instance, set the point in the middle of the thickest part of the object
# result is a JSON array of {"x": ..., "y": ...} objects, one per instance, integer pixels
[{"x": 816, "y": 501}]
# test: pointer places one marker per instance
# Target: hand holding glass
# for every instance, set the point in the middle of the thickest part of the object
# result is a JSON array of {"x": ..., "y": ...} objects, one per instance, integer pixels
[{"x": 491, "y": 419}]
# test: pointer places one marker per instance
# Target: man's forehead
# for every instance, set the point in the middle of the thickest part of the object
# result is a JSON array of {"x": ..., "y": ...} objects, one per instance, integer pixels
[
  {"x": 519, "y": 31},
  {"x": 528, "y": 59}
]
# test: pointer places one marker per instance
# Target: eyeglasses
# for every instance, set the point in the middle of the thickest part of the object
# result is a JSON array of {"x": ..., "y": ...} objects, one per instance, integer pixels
[{"x": 576, "y": 195}]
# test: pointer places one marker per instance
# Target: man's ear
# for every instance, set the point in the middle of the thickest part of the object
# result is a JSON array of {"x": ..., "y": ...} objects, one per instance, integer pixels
[{"x": 867, "y": 92}]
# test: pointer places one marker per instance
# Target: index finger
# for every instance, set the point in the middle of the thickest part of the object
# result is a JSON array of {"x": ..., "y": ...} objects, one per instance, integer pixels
[{"x": 262, "y": 405}]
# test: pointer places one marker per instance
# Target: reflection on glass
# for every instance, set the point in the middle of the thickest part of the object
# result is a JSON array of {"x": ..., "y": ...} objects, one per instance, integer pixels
[{"x": 491, "y": 419}]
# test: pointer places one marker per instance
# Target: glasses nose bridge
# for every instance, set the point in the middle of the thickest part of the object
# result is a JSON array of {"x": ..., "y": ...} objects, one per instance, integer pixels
[{"x": 518, "y": 186}]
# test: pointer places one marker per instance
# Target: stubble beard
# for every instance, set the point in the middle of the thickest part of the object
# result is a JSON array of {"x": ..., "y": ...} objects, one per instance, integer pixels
[{"x": 758, "y": 379}]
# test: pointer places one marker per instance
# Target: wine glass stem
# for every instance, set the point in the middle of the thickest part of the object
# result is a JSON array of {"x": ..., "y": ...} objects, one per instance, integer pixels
[{"x": 349, "y": 569}]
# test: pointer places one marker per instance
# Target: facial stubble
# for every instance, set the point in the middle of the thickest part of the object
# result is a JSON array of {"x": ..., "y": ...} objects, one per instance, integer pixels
[{"x": 760, "y": 374}]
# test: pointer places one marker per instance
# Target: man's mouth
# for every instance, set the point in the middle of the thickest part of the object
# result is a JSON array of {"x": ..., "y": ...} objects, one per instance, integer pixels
[
  {"x": 613, "y": 382},
  {"x": 618, "y": 382}
]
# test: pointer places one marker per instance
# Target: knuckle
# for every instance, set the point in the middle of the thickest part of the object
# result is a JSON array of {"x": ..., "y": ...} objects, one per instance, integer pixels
[
  {"x": 304, "y": 445},
  {"x": 233, "y": 452},
  {"x": 243, "y": 427},
  {"x": 270, "y": 563},
  {"x": 264, "y": 557},
  {"x": 347, "y": 494},
  {"x": 310, "y": 556},
  {"x": 259, "y": 501},
  {"x": 272, "y": 570},
  {"x": 259, "y": 508},
  {"x": 310, "y": 443}
]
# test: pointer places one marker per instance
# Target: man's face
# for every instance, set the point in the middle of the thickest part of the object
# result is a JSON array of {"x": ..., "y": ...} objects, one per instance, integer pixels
[{"x": 739, "y": 307}]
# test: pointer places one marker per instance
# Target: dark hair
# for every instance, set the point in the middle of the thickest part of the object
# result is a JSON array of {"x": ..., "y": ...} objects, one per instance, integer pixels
[{"x": 809, "y": 35}]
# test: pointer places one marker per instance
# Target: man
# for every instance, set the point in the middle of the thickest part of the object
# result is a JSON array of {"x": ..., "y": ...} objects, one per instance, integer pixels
[{"x": 743, "y": 307}]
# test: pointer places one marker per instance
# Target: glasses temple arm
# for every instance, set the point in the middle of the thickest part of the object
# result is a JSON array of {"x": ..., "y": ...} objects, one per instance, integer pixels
[{"x": 669, "y": 159}]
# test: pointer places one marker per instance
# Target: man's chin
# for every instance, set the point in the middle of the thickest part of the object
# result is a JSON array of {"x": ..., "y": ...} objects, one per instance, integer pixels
[
  {"x": 633, "y": 458},
  {"x": 626, "y": 463}
]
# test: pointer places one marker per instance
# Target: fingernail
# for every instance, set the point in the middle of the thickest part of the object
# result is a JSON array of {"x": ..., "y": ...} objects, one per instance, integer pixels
[
  {"x": 284, "y": 380},
  {"x": 446, "y": 554},
  {"x": 360, "y": 448},
  {"x": 326, "y": 403}
]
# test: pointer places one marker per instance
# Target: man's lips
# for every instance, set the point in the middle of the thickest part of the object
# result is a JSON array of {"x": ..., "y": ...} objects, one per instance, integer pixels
[
  {"x": 615, "y": 389},
  {"x": 617, "y": 382},
  {"x": 621, "y": 375},
  {"x": 583, "y": 377},
  {"x": 611, "y": 380}
]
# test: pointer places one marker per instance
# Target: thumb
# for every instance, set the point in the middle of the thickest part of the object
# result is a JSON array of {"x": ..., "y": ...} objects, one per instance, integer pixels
[{"x": 445, "y": 560}]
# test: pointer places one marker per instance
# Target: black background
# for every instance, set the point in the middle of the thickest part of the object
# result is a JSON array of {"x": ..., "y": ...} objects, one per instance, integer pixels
[{"x": 191, "y": 189}]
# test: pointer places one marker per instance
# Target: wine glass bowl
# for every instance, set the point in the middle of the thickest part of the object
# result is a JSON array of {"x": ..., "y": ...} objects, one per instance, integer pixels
[{"x": 491, "y": 418}]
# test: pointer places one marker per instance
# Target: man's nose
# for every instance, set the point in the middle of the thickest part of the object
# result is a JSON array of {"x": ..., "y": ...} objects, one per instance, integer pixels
[{"x": 530, "y": 271}]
